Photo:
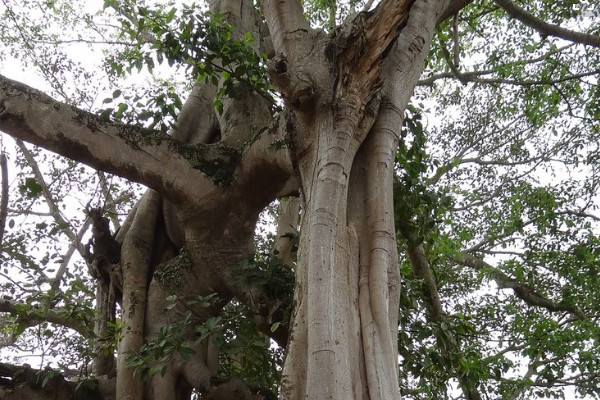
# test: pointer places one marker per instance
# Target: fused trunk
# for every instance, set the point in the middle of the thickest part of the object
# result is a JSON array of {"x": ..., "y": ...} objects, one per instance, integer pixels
[{"x": 343, "y": 341}]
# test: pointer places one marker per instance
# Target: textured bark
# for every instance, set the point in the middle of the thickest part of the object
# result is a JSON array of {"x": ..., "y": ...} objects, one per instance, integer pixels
[
  {"x": 216, "y": 228},
  {"x": 343, "y": 339},
  {"x": 30, "y": 115},
  {"x": 136, "y": 257},
  {"x": 26, "y": 383},
  {"x": 287, "y": 227},
  {"x": 3, "y": 197},
  {"x": 104, "y": 361}
]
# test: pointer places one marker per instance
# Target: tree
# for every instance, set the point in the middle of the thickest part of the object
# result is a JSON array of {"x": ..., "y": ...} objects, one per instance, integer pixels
[{"x": 282, "y": 107}]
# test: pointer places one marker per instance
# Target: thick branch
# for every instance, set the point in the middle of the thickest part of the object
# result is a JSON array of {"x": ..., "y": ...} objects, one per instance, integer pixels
[
  {"x": 35, "y": 316},
  {"x": 131, "y": 152},
  {"x": 421, "y": 269},
  {"x": 268, "y": 155},
  {"x": 453, "y": 7},
  {"x": 526, "y": 293},
  {"x": 546, "y": 29},
  {"x": 135, "y": 260},
  {"x": 288, "y": 215},
  {"x": 285, "y": 19},
  {"x": 24, "y": 382}
]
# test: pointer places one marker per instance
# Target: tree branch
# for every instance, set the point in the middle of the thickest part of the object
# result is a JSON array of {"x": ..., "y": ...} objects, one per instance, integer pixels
[
  {"x": 269, "y": 155},
  {"x": 546, "y": 29},
  {"x": 131, "y": 152},
  {"x": 33, "y": 315},
  {"x": 288, "y": 215},
  {"x": 453, "y": 7},
  {"x": 4, "y": 198},
  {"x": 39, "y": 178},
  {"x": 285, "y": 19},
  {"x": 422, "y": 270},
  {"x": 455, "y": 42},
  {"x": 526, "y": 293},
  {"x": 75, "y": 244},
  {"x": 24, "y": 382},
  {"x": 474, "y": 76}
]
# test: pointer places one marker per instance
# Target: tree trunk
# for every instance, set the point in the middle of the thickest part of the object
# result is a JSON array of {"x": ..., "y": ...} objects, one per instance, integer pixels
[
  {"x": 136, "y": 258},
  {"x": 343, "y": 339}
]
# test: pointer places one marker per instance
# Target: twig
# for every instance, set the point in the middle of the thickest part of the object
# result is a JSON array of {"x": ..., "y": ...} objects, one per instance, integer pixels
[{"x": 4, "y": 199}]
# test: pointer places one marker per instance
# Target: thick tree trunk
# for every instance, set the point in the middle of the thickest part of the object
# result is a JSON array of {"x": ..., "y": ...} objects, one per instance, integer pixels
[{"x": 343, "y": 339}]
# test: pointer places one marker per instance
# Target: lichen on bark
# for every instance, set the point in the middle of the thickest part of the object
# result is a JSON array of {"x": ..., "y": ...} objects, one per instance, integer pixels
[{"x": 170, "y": 274}]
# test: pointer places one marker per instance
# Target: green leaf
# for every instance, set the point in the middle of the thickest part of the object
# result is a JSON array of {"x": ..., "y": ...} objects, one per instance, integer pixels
[
  {"x": 31, "y": 188},
  {"x": 275, "y": 326}
]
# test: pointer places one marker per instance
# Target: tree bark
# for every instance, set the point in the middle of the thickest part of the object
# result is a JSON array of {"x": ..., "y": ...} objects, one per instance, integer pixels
[
  {"x": 343, "y": 339},
  {"x": 136, "y": 257}
]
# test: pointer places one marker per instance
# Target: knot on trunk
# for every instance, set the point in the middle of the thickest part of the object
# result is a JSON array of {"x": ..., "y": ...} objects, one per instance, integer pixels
[{"x": 297, "y": 89}]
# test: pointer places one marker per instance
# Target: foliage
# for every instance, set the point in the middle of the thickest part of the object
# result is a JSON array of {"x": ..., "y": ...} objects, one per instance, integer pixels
[
  {"x": 200, "y": 42},
  {"x": 509, "y": 182}
]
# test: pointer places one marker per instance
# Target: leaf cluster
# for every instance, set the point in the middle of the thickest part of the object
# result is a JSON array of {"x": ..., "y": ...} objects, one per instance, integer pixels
[{"x": 202, "y": 43}]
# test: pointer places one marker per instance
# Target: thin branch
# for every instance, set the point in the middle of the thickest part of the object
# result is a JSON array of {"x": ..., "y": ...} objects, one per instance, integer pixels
[
  {"x": 85, "y": 41},
  {"x": 39, "y": 178},
  {"x": 4, "y": 199},
  {"x": 546, "y": 29},
  {"x": 14, "y": 282},
  {"x": 13, "y": 211},
  {"x": 475, "y": 76},
  {"x": 532, "y": 368},
  {"x": 456, "y": 41},
  {"x": 78, "y": 245},
  {"x": 75, "y": 244},
  {"x": 28, "y": 48},
  {"x": 36, "y": 315},
  {"x": 531, "y": 82},
  {"x": 452, "y": 64},
  {"x": 422, "y": 269},
  {"x": 526, "y": 293},
  {"x": 75, "y": 239}
]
